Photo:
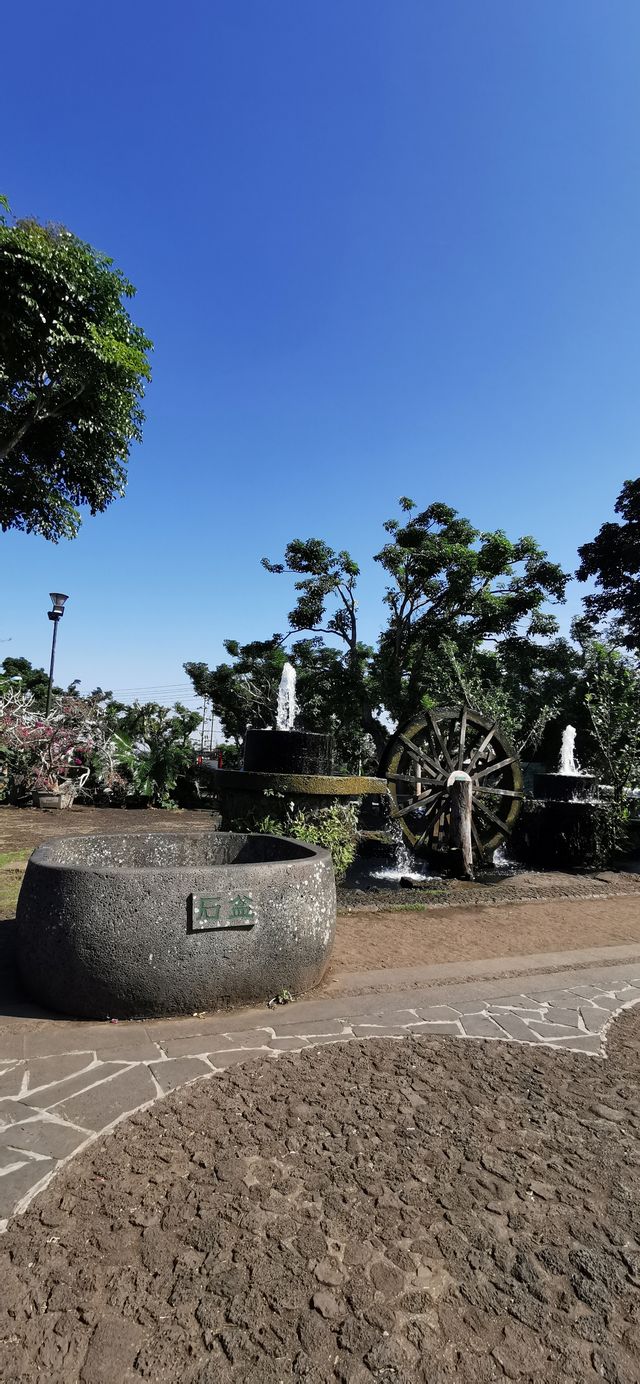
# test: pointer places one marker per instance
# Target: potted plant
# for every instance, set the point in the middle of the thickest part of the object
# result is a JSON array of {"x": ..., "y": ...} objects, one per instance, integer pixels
[
  {"x": 49, "y": 759},
  {"x": 47, "y": 798},
  {"x": 52, "y": 794}
]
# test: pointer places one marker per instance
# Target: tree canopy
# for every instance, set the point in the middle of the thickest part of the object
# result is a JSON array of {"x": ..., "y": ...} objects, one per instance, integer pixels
[
  {"x": 72, "y": 372},
  {"x": 24, "y": 677},
  {"x": 466, "y": 616},
  {"x": 612, "y": 559}
]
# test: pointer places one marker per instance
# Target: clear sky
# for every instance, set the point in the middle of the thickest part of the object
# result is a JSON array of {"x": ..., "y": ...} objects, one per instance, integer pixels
[{"x": 383, "y": 247}]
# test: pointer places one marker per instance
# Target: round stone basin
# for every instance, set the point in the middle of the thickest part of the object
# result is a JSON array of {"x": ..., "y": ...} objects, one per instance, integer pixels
[{"x": 164, "y": 923}]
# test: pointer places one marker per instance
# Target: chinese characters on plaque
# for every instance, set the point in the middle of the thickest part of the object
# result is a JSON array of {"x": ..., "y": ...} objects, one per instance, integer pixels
[{"x": 213, "y": 912}]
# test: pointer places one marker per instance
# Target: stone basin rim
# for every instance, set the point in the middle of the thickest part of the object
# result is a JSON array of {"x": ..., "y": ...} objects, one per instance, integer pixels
[{"x": 303, "y": 853}]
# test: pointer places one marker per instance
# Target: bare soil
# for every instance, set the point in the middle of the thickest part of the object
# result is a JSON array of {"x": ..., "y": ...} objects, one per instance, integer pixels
[
  {"x": 462, "y": 928},
  {"x": 24, "y": 828},
  {"x": 423, "y": 1212},
  {"x": 372, "y": 941}
]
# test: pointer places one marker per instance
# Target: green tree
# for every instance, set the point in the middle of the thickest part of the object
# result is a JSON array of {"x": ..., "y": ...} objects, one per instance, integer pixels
[
  {"x": 612, "y": 699},
  {"x": 22, "y": 675},
  {"x": 155, "y": 747},
  {"x": 244, "y": 691},
  {"x": 454, "y": 587},
  {"x": 72, "y": 372},
  {"x": 612, "y": 559},
  {"x": 532, "y": 688},
  {"x": 465, "y": 617}
]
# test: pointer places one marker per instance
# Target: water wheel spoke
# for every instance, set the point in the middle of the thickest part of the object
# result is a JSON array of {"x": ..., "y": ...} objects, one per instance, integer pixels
[
  {"x": 493, "y": 768},
  {"x": 428, "y": 829},
  {"x": 482, "y": 747},
  {"x": 476, "y": 837},
  {"x": 463, "y": 737},
  {"x": 422, "y": 759},
  {"x": 500, "y": 792},
  {"x": 486, "y": 812},
  {"x": 416, "y": 804},
  {"x": 426, "y": 751},
  {"x": 442, "y": 745}
]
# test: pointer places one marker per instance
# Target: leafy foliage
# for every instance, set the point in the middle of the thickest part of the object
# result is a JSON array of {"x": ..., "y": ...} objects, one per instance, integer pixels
[
  {"x": 19, "y": 674},
  {"x": 334, "y": 826},
  {"x": 154, "y": 749},
  {"x": 566, "y": 836},
  {"x": 59, "y": 751},
  {"x": 612, "y": 698},
  {"x": 466, "y": 617},
  {"x": 453, "y": 588},
  {"x": 72, "y": 372},
  {"x": 613, "y": 559}
]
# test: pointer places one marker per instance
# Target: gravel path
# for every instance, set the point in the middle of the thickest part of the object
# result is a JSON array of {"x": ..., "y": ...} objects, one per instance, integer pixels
[{"x": 424, "y": 1210}]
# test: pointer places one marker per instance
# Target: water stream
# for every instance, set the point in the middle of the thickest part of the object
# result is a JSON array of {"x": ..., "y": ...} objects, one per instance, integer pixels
[
  {"x": 568, "y": 761},
  {"x": 287, "y": 706}
]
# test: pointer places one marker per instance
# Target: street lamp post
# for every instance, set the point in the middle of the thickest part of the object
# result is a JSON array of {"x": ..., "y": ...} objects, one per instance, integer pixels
[{"x": 56, "y": 615}]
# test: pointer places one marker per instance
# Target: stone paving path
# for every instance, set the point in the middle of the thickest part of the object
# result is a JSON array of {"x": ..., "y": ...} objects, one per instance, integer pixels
[{"x": 63, "y": 1085}]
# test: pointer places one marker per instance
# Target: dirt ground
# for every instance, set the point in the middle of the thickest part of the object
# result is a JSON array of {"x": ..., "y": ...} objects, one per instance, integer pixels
[
  {"x": 422, "y": 1212},
  {"x": 372, "y": 941},
  {"x": 24, "y": 828},
  {"x": 377, "y": 939}
]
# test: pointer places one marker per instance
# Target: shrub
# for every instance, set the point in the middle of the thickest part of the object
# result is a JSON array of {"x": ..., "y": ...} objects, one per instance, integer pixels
[
  {"x": 332, "y": 825},
  {"x": 54, "y": 752},
  {"x": 567, "y": 835}
]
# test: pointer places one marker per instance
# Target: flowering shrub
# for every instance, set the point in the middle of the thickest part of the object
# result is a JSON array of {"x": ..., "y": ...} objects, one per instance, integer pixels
[{"x": 54, "y": 753}]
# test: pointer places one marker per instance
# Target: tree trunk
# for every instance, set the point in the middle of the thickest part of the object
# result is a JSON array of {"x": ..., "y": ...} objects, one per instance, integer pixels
[
  {"x": 372, "y": 727},
  {"x": 460, "y": 793}
]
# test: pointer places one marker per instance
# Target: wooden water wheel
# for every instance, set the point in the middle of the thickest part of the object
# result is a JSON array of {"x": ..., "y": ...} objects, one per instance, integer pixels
[{"x": 424, "y": 758}]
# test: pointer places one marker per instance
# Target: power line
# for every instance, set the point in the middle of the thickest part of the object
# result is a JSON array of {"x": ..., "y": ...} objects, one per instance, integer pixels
[{"x": 158, "y": 687}]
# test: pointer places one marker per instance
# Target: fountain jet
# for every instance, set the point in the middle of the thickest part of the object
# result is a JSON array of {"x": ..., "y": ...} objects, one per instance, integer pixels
[
  {"x": 568, "y": 761},
  {"x": 287, "y": 705}
]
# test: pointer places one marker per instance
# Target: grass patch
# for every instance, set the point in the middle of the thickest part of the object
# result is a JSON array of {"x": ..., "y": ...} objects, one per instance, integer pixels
[
  {"x": 12, "y": 868},
  {"x": 14, "y": 857}
]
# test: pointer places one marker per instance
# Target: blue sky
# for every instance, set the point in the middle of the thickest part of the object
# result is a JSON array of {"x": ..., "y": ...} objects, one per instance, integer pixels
[{"x": 383, "y": 247}]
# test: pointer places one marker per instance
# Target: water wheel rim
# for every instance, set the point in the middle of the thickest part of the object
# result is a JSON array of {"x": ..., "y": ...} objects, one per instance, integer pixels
[{"x": 489, "y": 828}]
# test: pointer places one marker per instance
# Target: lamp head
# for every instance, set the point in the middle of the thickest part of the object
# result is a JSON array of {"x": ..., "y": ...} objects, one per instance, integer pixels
[{"x": 58, "y": 605}]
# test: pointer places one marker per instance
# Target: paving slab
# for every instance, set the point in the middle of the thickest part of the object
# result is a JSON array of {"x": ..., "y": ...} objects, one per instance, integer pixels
[
  {"x": 550, "y": 1030},
  {"x": 178, "y": 1072},
  {"x": 581, "y": 1042},
  {"x": 47, "y": 1137},
  {"x": 221, "y": 1060},
  {"x": 9, "y": 1158},
  {"x": 480, "y": 1026},
  {"x": 11, "y": 1080},
  {"x": 12, "y": 1111},
  {"x": 437, "y": 1013},
  {"x": 11, "y": 1048},
  {"x": 137, "y": 1063},
  {"x": 58, "y": 1091},
  {"x": 553, "y": 1014},
  {"x": 16, "y": 1185},
  {"x": 128, "y": 1042},
  {"x": 516, "y": 1028},
  {"x": 42, "y": 1071},
  {"x": 97, "y": 1108},
  {"x": 592, "y": 1018},
  {"x": 216, "y": 1042},
  {"x": 379, "y": 1031},
  {"x": 436, "y": 1027}
]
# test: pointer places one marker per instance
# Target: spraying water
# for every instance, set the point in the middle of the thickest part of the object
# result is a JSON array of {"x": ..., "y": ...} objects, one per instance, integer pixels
[
  {"x": 405, "y": 866},
  {"x": 568, "y": 761},
  {"x": 287, "y": 706}
]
